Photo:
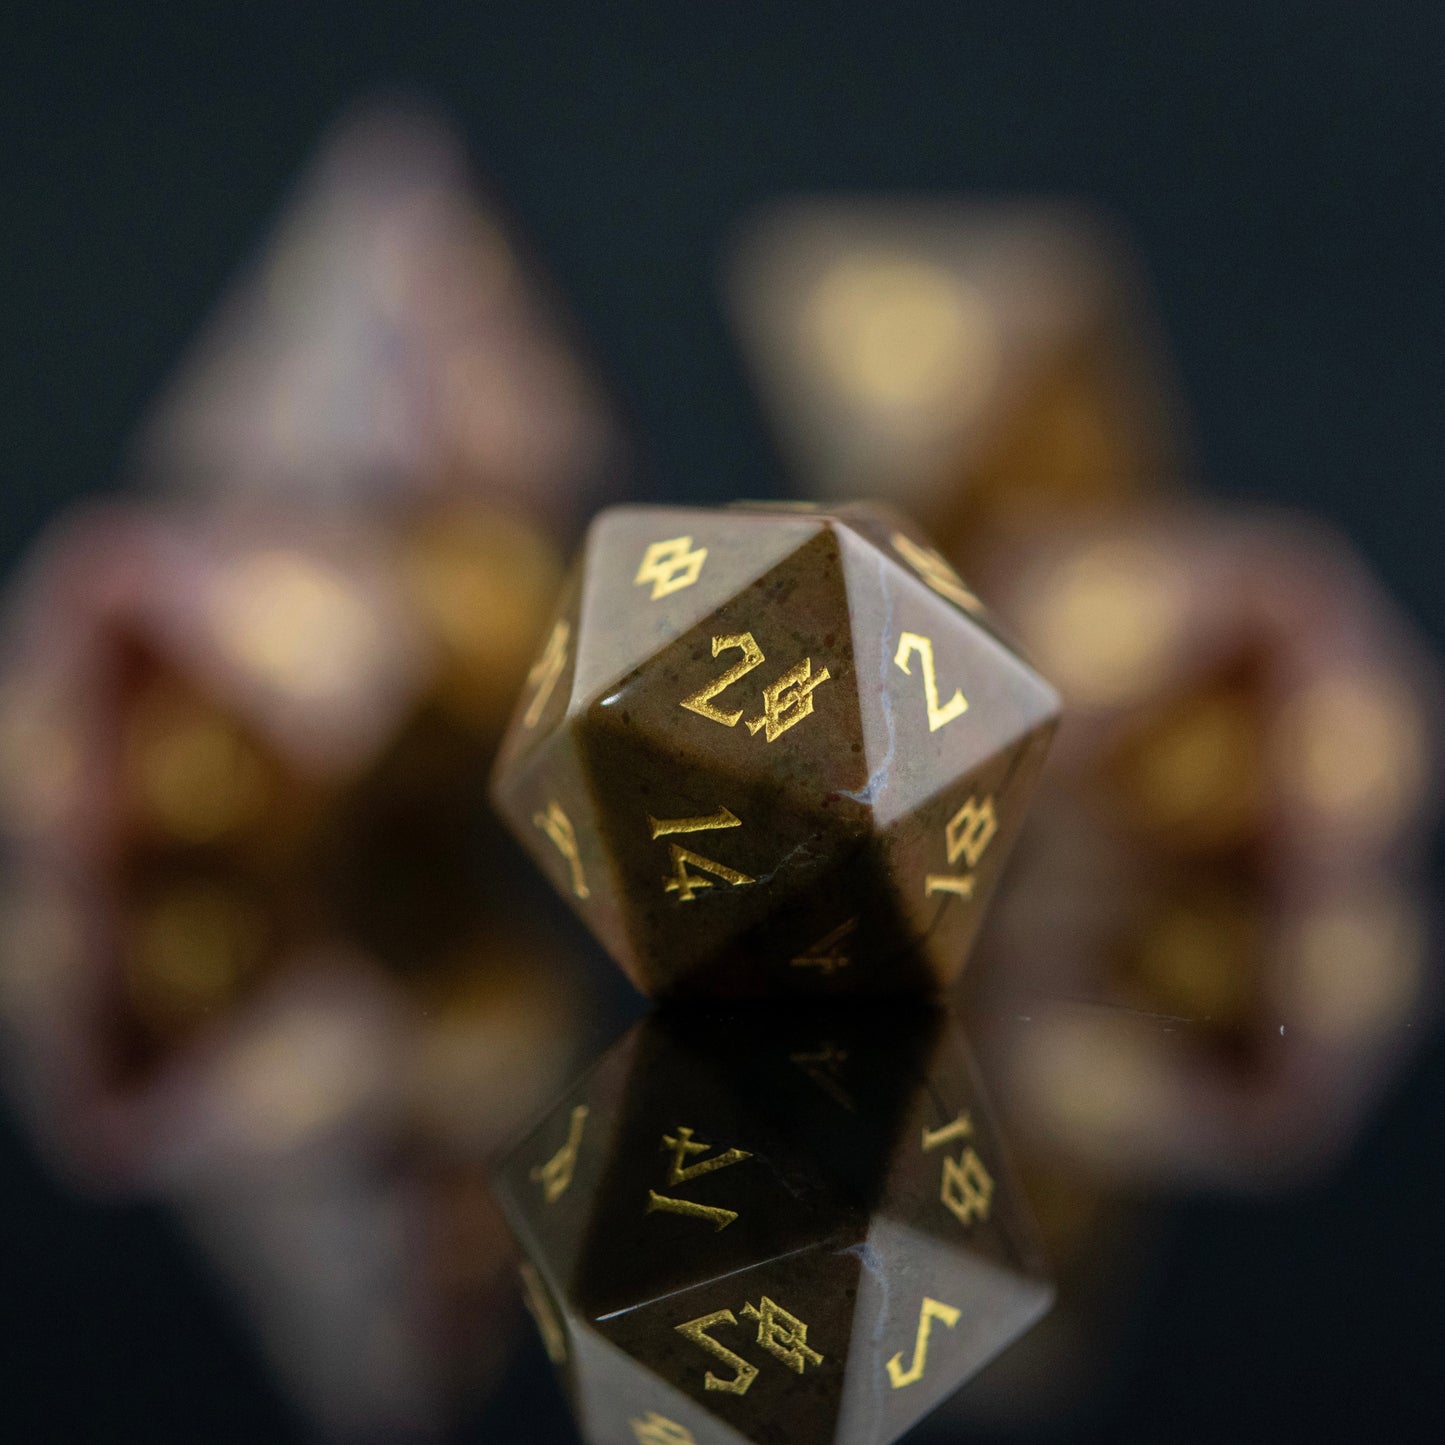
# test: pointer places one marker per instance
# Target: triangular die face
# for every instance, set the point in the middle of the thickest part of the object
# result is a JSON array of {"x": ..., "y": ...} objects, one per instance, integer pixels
[
  {"x": 703, "y": 859},
  {"x": 652, "y": 574},
  {"x": 542, "y": 706},
  {"x": 951, "y": 1177},
  {"x": 547, "y": 1185},
  {"x": 945, "y": 859},
  {"x": 775, "y": 1340},
  {"x": 929, "y": 1318},
  {"x": 618, "y": 1402},
  {"x": 550, "y": 808},
  {"x": 761, "y": 687},
  {"x": 938, "y": 693},
  {"x": 707, "y": 1173}
]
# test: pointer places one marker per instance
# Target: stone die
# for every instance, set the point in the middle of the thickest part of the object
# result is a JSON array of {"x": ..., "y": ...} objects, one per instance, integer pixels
[
  {"x": 771, "y": 751},
  {"x": 743, "y": 1227}
]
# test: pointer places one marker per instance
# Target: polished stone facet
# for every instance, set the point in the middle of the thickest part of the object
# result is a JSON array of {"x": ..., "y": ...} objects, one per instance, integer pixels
[
  {"x": 743, "y": 1226},
  {"x": 772, "y": 750}
]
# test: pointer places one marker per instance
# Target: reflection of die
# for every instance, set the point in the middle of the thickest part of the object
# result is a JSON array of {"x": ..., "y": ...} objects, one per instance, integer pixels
[
  {"x": 772, "y": 1229},
  {"x": 980, "y": 365},
  {"x": 772, "y": 750}
]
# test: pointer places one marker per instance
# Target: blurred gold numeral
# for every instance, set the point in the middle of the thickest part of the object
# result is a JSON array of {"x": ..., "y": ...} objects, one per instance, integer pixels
[
  {"x": 558, "y": 827},
  {"x": 655, "y": 1429},
  {"x": 932, "y": 567},
  {"x": 932, "y": 1310},
  {"x": 966, "y": 835},
  {"x": 825, "y": 955},
  {"x": 670, "y": 566},
  {"x": 545, "y": 672},
  {"x": 555, "y": 1176},
  {"x": 955, "y": 707},
  {"x": 539, "y": 1306}
]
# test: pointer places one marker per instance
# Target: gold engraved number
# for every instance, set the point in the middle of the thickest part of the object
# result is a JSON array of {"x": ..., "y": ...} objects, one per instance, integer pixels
[
  {"x": 558, "y": 827},
  {"x": 932, "y": 1310},
  {"x": 955, "y": 707},
  {"x": 545, "y": 672},
  {"x": 539, "y": 1306},
  {"x": 681, "y": 882},
  {"x": 967, "y": 836},
  {"x": 967, "y": 1190},
  {"x": 785, "y": 703},
  {"x": 933, "y": 568},
  {"x": 697, "y": 1332},
  {"x": 700, "y": 701},
  {"x": 670, "y": 566},
  {"x": 826, "y": 955},
  {"x": 655, "y": 1429},
  {"x": 555, "y": 1176},
  {"x": 683, "y": 1147},
  {"x": 783, "y": 1335}
]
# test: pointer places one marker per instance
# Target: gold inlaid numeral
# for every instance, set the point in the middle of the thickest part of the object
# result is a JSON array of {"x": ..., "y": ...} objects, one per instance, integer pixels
[
  {"x": 966, "y": 835},
  {"x": 932, "y": 1310},
  {"x": 824, "y": 1066},
  {"x": 697, "y": 1332},
  {"x": 786, "y": 702},
  {"x": 683, "y": 1146},
  {"x": 655, "y": 1429},
  {"x": 686, "y": 885},
  {"x": 558, "y": 827},
  {"x": 934, "y": 569},
  {"x": 539, "y": 1306},
  {"x": 825, "y": 955},
  {"x": 967, "y": 1187},
  {"x": 955, "y": 707},
  {"x": 700, "y": 701},
  {"x": 969, "y": 832},
  {"x": 783, "y": 1335},
  {"x": 555, "y": 1176},
  {"x": 670, "y": 566},
  {"x": 545, "y": 672}
]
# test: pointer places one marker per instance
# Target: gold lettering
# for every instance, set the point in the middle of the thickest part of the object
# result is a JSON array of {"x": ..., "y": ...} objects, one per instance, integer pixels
[
  {"x": 683, "y": 1146},
  {"x": 825, "y": 954},
  {"x": 970, "y": 831},
  {"x": 545, "y": 672},
  {"x": 961, "y": 1128},
  {"x": 558, "y": 827},
  {"x": 960, "y": 884},
  {"x": 555, "y": 1175},
  {"x": 686, "y": 884},
  {"x": 539, "y": 1306},
  {"x": 655, "y": 1429},
  {"x": 955, "y": 707},
  {"x": 697, "y": 1332},
  {"x": 782, "y": 1335},
  {"x": 700, "y": 701},
  {"x": 670, "y": 566},
  {"x": 788, "y": 701},
  {"x": 723, "y": 818},
  {"x": 967, "y": 1188},
  {"x": 932, "y": 1310},
  {"x": 661, "y": 1204},
  {"x": 934, "y": 569}
]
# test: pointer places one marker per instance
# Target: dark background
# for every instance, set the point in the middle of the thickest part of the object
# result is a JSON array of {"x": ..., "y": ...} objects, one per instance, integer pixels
[{"x": 1280, "y": 166}]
